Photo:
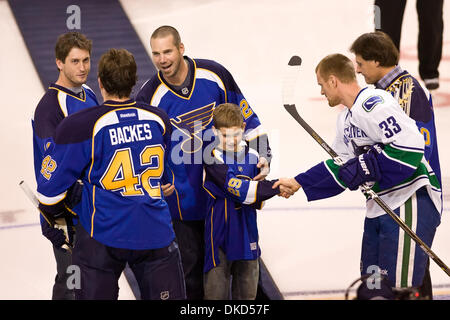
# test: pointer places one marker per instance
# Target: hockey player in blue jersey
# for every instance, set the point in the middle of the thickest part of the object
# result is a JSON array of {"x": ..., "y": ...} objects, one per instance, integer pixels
[
  {"x": 394, "y": 164},
  {"x": 231, "y": 232},
  {"x": 66, "y": 96},
  {"x": 118, "y": 150},
  {"x": 377, "y": 60},
  {"x": 189, "y": 90}
]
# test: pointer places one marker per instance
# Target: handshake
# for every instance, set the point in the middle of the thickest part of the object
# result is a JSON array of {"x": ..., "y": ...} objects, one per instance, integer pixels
[{"x": 288, "y": 186}]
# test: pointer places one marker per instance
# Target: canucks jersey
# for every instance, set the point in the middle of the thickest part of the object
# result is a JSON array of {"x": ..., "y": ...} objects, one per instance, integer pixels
[
  {"x": 118, "y": 151},
  {"x": 190, "y": 111},
  {"x": 233, "y": 198},
  {"x": 56, "y": 104},
  {"x": 376, "y": 118},
  {"x": 417, "y": 104}
]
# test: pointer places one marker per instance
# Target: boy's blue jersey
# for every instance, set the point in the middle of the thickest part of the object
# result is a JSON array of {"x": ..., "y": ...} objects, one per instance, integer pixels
[
  {"x": 190, "y": 110},
  {"x": 118, "y": 150},
  {"x": 233, "y": 198},
  {"x": 418, "y": 105},
  {"x": 56, "y": 104}
]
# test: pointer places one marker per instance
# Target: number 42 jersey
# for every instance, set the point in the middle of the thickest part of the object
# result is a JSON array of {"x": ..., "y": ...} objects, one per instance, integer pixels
[{"x": 118, "y": 149}]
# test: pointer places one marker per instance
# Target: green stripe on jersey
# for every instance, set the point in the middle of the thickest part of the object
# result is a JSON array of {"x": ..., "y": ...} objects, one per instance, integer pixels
[
  {"x": 333, "y": 168},
  {"x": 406, "y": 244},
  {"x": 410, "y": 158}
]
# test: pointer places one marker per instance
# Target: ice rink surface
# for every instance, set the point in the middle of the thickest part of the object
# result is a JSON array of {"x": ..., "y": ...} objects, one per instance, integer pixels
[{"x": 311, "y": 249}]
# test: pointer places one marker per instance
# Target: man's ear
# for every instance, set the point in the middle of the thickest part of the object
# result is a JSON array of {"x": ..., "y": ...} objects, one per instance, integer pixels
[
  {"x": 59, "y": 64},
  {"x": 100, "y": 85},
  {"x": 181, "y": 47},
  {"x": 332, "y": 80},
  {"x": 243, "y": 126}
]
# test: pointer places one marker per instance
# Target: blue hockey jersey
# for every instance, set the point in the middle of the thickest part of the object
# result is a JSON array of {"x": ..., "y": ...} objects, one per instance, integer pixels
[
  {"x": 118, "y": 150},
  {"x": 56, "y": 104},
  {"x": 190, "y": 111},
  {"x": 233, "y": 198}
]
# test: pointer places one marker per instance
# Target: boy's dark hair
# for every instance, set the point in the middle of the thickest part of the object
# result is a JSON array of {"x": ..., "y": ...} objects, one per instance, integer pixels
[
  {"x": 377, "y": 46},
  {"x": 227, "y": 115},
  {"x": 117, "y": 72},
  {"x": 70, "y": 40}
]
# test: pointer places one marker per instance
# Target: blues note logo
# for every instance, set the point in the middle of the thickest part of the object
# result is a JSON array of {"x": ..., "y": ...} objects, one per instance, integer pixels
[
  {"x": 191, "y": 124},
  {"x": 371, "y": 102}
]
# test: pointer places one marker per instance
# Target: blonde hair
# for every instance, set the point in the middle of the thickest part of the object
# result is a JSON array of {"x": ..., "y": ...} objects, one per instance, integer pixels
[
  {"x": 227, "y": 115},
  {"x": 338, "y": 65}
]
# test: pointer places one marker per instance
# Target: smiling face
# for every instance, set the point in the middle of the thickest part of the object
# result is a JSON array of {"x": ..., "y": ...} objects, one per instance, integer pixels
[
  {"x": 230, "y": 137},
  {"x": 75, "y": 69},
  {"x": 168, "y": 58}
]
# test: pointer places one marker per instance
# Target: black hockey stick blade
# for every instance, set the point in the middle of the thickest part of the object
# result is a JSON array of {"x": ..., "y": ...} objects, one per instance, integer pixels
[{"x": 295, "y": 61}]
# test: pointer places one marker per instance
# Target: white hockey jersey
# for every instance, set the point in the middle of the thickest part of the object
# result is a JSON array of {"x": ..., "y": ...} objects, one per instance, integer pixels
[{"x": 376, "y": 118}]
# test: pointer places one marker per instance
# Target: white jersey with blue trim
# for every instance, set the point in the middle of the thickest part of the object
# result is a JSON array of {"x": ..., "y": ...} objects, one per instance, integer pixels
[{"x": 376, "y": 118}]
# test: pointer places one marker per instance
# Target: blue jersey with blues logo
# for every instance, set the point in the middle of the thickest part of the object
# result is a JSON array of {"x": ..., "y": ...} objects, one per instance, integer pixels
[
  {"x": 118, "y": 150},
  {"x": 233, "y": 198},
  {"x": 190, "y": 110}
]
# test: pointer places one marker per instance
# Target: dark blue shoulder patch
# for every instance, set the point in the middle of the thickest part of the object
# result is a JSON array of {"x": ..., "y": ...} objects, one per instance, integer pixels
[{"x": 371, "y": 102}]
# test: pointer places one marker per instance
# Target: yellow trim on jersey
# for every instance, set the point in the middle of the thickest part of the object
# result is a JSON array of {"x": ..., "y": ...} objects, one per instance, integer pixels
[
  {"x": 120, "y": 105},
  {"x": 84, "y": 100},
  {"x": 226, "y": 214},
  {"x": 212, "y": 239},
  {"x": 208, "y": 191},
  {"x": 178, "y": 203},
  {"x": 398, "y": 79},
  {"x": 70, "y": 210},
  {"x": 93, "y": 212},
  {"x": 193, "y": 84}
]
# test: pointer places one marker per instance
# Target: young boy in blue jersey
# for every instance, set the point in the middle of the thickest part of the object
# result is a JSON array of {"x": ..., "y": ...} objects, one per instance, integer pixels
[
  {"x": 66, "y": 96},
  {"x": 231, "y": 232},
  {"x": 377, "y": 60},
  {"x": 188, "y": 90},
  {"x": 118, "y": 150}
]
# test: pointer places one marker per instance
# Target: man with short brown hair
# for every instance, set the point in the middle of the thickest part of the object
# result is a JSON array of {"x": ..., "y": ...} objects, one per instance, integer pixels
[
  {"x": 377, "y": 60},
  {"x": 118, "y": 150},
  {"x": 67, "y": 95},
  {"x": 380, "y": 147}
]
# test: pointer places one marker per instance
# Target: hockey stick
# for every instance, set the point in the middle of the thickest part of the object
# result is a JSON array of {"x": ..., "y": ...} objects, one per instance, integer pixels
[
  {"x": 50, "y": 220},
  {"x": 288, "y": 98}
]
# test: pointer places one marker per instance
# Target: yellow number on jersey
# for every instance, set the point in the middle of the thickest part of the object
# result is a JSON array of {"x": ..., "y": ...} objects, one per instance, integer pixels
[
  {"x": 147, "y": 156},
  {"x": 120, "y": 174},
  {"x": 233, "y": 185},
  {"x": 245, "y": 109},
  {"x": 47, "y": 167},
  {"x": 426, "y": 136}
]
